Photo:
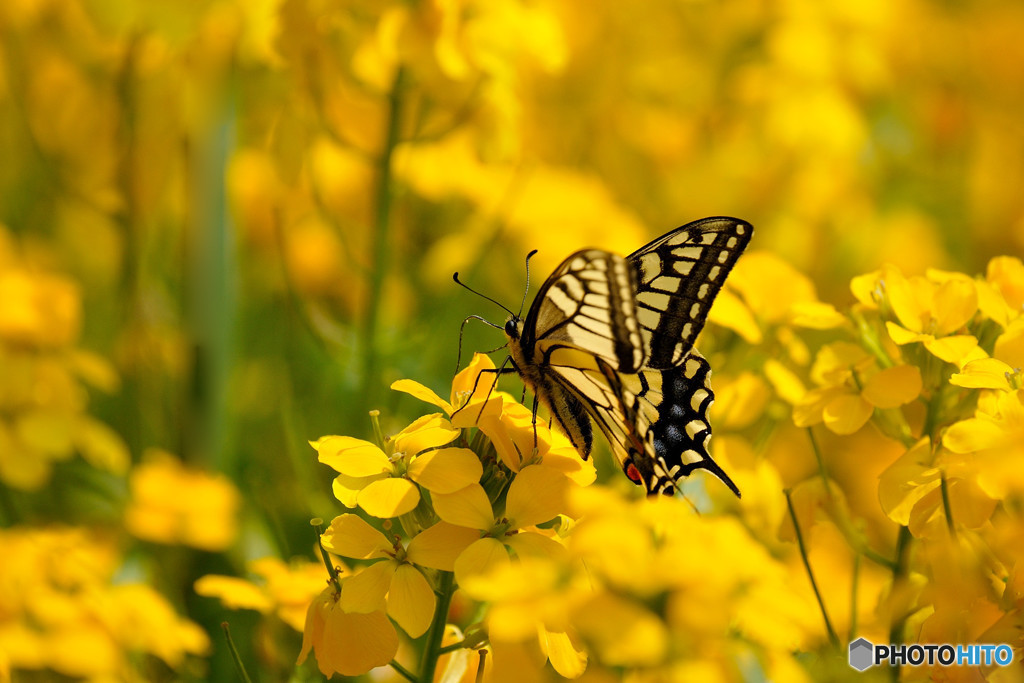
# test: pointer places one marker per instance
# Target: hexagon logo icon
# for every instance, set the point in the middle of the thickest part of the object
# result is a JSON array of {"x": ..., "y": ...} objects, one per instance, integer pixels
[{"x": 861, "y": 654}]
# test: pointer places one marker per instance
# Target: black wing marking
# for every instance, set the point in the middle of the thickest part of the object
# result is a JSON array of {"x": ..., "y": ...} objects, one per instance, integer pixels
[{"x": 678, "y": 277}]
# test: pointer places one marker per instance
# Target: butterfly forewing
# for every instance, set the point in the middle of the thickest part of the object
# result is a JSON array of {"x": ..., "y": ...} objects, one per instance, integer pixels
[
  {"x": 678, "y": 277},
  {"x": 589, "y": 302}
]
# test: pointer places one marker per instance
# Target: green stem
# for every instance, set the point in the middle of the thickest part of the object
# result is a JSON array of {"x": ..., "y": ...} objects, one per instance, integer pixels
[
  {"x": 432, "y": 647},
  {"x": 403, "y": 672},
  {"x": 853, "y": 597},
  {"x": 946, "y": 507},
  {"x": 480, "y": 666},
  {"x": 239, "y": 666},
  {"x": 833, "y": 638},
  {"x": 381, "y": 239},
  {"x": 821, "y": 461},
  {"x": 899, "y": 574}
]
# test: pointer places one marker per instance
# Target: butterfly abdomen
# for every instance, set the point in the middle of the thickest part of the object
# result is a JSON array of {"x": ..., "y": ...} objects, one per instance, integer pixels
[{"x": 565, "y": 409}]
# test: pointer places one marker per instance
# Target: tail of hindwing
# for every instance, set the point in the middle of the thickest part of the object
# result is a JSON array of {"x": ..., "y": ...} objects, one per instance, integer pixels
[{"x": 667, "y": 409}]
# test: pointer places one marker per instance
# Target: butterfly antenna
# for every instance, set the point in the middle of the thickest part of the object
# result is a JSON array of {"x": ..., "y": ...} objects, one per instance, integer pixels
[
  {"x": 462, "y": 327},
  {"x": 482, "y": 296},
  {"x": 523, "y": 304}
]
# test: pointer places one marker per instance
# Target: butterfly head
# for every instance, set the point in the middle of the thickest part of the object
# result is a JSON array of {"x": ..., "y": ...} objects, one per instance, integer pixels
[{"x": 514, "y": 327}]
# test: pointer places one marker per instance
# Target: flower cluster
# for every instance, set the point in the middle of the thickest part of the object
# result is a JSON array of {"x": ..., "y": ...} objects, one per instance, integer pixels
[
  {"x": 62, "y": 610},
  {"x": 480, "y": 504}
]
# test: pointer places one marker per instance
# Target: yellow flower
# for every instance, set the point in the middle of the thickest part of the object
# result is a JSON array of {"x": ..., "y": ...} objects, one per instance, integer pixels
[
  {"x": 852, "y": 387},
  {"x": 992, "y": 443},
  {"x": 44, "y": 311},
  {"x": 472, "y": 387},
  {"x": 173, "y": 504},
  {"x": 910, "y": 492},
  {"x": 284, "y": 589},
  {"x": 1003, "y": 369},
  {"x": 774, "y": 295},
  {"x": 384, "y": 483},
  {"x": 930, "y": 310},
  {"x": 392, "y": 582},
  {"x": 473, "y": 541},
  {"x": 57, "y": 586},
  {"x": 346, "y": 643}
]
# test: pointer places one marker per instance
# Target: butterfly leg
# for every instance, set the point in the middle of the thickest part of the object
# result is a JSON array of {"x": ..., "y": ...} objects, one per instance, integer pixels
[{"x": 498, "y": 371}]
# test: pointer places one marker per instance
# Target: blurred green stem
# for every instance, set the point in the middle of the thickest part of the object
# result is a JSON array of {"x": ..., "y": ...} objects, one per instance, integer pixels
[
  {"x": 947, "y": 508},
  {"x": 833, "y": 638},
  {"x": 432, "y": 647},
  {"x": 899, "y": 575},
  {"x": 237, "y": 658},
  {"x": 381, "y": 239}
]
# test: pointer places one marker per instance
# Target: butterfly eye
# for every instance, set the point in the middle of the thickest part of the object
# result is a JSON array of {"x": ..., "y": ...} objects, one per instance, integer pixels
[{"x": 511, "y": 328}]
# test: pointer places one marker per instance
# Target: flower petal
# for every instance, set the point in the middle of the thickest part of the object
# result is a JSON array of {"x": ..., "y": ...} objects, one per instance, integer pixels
[
  {"x": 352, "y": 457},
  {"x": 439, "y": 546},
  {"x": 622, "y": 632},
  {"x": 446, "y": 470},
  {"x": 846, "y": 414},
  {"x": 483, "y": 557},
  {"x": 983, "y": 373},
  {"x": 893, "y": 387},
  {"x": 389, "y": 497},
  {"x": 353, "y": 643},
  {"x": 351, "y": 536},
  {"x": 975, "y": 434},
  {"x": 902, "y": 335},
  {"x": 905, "y": 482},
  {"x": 364, "y": 592},
  {"x": 569, "y": 660},
  {"x": 429, "y": 431},
  {"x": 411, "y": 601},
  {"x": 537, "y": 494},
  {"x": 952, "y": 349},
  {"x": 467, "y": 507},
  {"x": 421, "y": 392}
]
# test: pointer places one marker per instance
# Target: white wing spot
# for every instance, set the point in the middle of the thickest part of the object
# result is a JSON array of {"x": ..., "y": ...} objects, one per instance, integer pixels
[
  {"x": 694, "y": 310},
  {"x": 683, "y": 267},
  {"x": 703, "y": 291},
  {"x": 695, "y": 427},
  {"x": 687, "y": 330},
  {"x": 690, "y": 456},
  {"x": 697, "y": 398},
  {"x": 692, "y": 368},
  {"x": 657, "y": 300},
  {"x": 723, "y": 257},
  {"x": 713, "y": 273},
  {"x": 650, "y": 263},
  {"x": 691, "y": 253},
  {"x": 732, "y": 242}
]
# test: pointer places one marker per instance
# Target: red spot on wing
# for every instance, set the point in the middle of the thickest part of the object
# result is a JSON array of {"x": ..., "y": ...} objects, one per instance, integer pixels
[{"x": 633, "y": 473}]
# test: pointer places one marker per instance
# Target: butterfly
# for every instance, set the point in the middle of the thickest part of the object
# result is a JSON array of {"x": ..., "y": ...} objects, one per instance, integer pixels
[{"x": 610, "y": 339}]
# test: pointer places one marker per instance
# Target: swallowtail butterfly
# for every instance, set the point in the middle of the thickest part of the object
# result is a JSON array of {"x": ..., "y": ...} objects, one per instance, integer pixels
[{"x": 611, "y": 339}]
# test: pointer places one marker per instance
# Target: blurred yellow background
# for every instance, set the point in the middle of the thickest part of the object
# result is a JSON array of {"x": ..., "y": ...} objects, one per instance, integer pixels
[{"x": 227, "y": 227}]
